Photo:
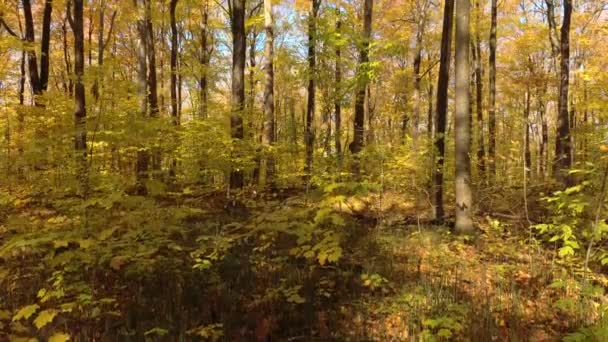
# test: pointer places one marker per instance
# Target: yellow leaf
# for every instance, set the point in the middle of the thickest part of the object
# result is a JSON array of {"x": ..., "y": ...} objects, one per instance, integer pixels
[
  {"x": 59, "y": 337},
  {"x": 26, "y": 312},
  {"x": 44, "y": 317}
]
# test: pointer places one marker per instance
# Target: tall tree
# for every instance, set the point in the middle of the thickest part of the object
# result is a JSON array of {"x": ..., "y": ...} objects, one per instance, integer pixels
[
  {"x": 362, "y": 83},
  {"x": 492, "y": 95},
  {"x": 174, "y": 50},
  {"x": 338, "y": 90},
  {"x": 205, "y": 53},
  {"x": 476, "y": 49},
  {"x": 38, "y": 80},
  {"x": 563, "y": 157},
  {"x": 269, "y": 121},
  {"x": 442, "y": 107},
  {"x": 80, "y": 114},
  {"x": 309, "y": 134},
  {"x": 237, "y": 26},
  {"x": 420, "y": 19},
  {"x": 462, "y": 121}
]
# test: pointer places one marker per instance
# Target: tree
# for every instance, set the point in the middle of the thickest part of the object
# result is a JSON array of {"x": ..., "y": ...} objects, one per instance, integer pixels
[
  {"x": 269, "y": 122},
  {"x": 462, "y": 121},
  {"x": 38, "y": 80},
  {"x": 309, "y": 135},
  {"x": 476, "y": 52},
  {"x": 174, "y": 49},
  {"x": 80, "y": 111},
  {"x": 492, "y": 95},
  {"x": 563, "y": 157},
  {"x": 338, "y": 90},
  {"x": 362, "y": 83},
  {"x": 442, "y": 107},
  {"x": 237, "y": 26}
]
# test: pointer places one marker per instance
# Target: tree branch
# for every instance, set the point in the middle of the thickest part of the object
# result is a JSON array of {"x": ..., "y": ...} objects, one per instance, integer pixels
[
  {"x": 7, "y": 28},
  {"x": 109, "y": 31}
]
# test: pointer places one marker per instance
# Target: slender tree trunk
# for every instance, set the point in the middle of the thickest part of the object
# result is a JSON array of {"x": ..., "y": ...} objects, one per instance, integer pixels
[
  {"x": 32, "y": 60},
  {"x": 151, "y": 54},
  {"x": 80, "y": 115},
  {"x": 309, "y": 134},
  {"x": 174, "y": 49},
  {"x": 442, "y": 107},
  {"x": 269, "y": 121},
  {"x": 481, "y": 153},
  {"x": 69, "y": 85},
  {"x": 204, "y": 62},
  {"x": 237, "y": 23},
  {"x": 417, "y": 80},
  {"x": 362, "y": 83},
  {"x": 45, "y": 44},
  {"x": 492, "y": 95},
  {"x": 527, "y": 153},
  {"x": 338, "y": 94},
  {"x": 462, "y": 121},
  {"x": 142, "y": 82},
  {"x": 563, "y": 158}
]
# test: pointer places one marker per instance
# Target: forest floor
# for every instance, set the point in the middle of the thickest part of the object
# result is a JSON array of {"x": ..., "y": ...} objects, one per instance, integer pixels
[{"x": 293, "y": 267}]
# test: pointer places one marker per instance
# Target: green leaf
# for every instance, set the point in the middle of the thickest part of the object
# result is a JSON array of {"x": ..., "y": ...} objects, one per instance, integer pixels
[
  {"x": 26, "y": 312},
  {"x": 44, "y": 317}
]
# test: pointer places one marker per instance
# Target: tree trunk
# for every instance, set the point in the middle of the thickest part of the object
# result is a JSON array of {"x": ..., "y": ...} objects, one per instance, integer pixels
[
  {"x": 563, "y": 158},
  {"x": 32, "y": 61},
  {"x": 69, "y": 83},
  {"x": 174, "y": 48},
  {"x": 237, "y": 25},
  {"x": 527, "y": 153},
  {"x": 417, "y": 79},
  {"x": 492, "y": 97},
  {"x": 142, "y": 89},
  {"x": 151, "y": 54},
  {"x": 442, "y": 107},
  {"x": 45, "y": 44},
  {"x": 462, "y": 121},
  {"x": 481, "y": 153},
  {"x": 309, "y": 134},
  {"x": 204, "y": 61},
  {"x": 338, "y": 93},
  {"x": 362, "y": 82},
  {"x": 80, "y": 115},
  {"x": 269, "y": 121}
]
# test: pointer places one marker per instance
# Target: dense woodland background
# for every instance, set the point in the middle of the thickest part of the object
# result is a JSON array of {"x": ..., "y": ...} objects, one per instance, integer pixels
[{"x": 250, "y": 170}]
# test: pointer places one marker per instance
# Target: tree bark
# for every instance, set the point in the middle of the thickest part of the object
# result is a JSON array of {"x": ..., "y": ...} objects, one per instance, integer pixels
[
  {"x": 563, "y": 157},
  {"x": 45, "y": 44},
  {"x": 362, "y": 83},
  {"x": 237, "y": 25},
  {"x": 309, "y": 134},
  {"x": 527, "y": 153},
  {"x": 338, "y": 93},
  {"x": 492, "y": 95},
  {"x": 462, "y": 121},
  {"x": 442, "y": 107},
  {"x": 481, "y": 153},
  {"x": 80, "y": 115},
  {"x": 174, "y": 49},
  {"x": 204, "y": 62},
  {"x": 269, "y": 121},
  {"x": 32, "y": 60}
]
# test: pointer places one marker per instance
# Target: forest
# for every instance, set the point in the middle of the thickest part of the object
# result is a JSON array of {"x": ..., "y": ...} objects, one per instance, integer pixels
[{"x": 303, "y": 170}]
